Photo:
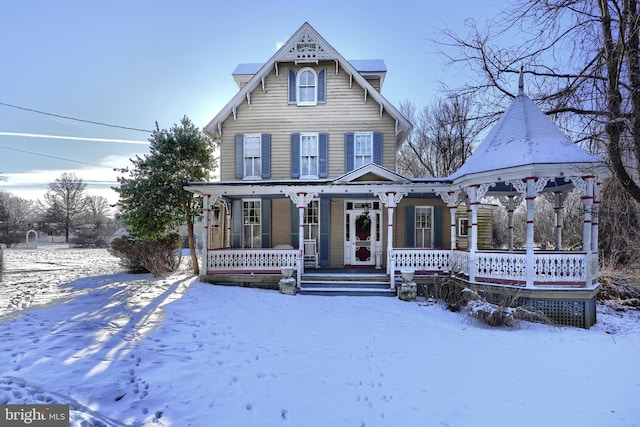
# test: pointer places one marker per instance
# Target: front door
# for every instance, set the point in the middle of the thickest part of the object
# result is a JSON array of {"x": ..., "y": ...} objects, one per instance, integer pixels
[{"x": 361, "y": 233}]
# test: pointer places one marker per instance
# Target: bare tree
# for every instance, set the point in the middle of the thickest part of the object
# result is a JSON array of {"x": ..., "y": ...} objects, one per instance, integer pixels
[
  {"x": 583, "y": 64},
  {"x": 97, "y": 210},
  {"x": 67, "y": 194},
  {"x": 443, "y": 137},
  {"x": 16, "y": 217}
]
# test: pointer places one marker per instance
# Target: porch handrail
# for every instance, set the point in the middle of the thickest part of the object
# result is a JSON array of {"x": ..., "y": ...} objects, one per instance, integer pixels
[{"x": 251, "y": 260}]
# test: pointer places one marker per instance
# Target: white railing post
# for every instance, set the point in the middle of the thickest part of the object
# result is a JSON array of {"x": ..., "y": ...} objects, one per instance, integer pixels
[
  {"x": 205, "y": 232},
  {"x": 390, "y": 200}
]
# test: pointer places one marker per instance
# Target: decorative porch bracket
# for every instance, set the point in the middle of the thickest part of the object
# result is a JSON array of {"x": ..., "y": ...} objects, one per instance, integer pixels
[
  {"x": 474, "y": 194},
  {"x": 301, "y": 201},
  {"x": 451, "y": 198},
  {"x": 390, "y": 200}
]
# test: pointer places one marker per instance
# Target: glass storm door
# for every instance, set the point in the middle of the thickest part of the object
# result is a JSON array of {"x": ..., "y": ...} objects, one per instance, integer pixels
[{"x": 360, "y": 234}]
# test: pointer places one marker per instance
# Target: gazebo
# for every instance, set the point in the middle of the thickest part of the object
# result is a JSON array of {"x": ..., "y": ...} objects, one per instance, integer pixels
[{"x": 526, "y": 154}]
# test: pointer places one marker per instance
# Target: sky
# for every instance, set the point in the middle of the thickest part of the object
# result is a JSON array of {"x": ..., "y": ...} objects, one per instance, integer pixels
[{"x": 131, "y": 65}]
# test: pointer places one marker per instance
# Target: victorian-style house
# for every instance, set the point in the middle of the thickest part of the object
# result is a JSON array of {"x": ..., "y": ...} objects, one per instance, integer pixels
[{"x": 308, "y": 180}]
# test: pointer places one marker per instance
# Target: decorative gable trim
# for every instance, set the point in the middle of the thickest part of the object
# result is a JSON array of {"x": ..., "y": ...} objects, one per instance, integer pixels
[
  {"x": 372, "y": 173},
  {"x": 306, "y": 49},
  {"x": 307, "y": 45}
]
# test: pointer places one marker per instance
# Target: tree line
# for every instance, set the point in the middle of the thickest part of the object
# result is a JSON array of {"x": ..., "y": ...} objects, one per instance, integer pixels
[{"x": 66, "y": 209}]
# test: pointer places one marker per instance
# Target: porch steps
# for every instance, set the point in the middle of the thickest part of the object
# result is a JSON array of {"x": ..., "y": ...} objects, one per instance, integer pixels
[{"x": 346, "y": 285}]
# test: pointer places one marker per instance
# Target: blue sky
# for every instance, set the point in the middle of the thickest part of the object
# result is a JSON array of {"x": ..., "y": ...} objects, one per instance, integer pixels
[{"x": 134, "y": 63}]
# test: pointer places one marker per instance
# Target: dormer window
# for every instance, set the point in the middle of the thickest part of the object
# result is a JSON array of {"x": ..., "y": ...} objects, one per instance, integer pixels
[{"x": 307, "y": 86}]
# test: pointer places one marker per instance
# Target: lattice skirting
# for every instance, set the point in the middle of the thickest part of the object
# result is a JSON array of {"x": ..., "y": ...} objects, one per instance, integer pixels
[{"x": 565, "y": 310}]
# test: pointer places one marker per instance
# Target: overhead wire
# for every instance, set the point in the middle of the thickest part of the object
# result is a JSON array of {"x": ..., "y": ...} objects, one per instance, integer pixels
[
  {"x": 74, "y": 118},
  {"x": 53, "y": 157}
]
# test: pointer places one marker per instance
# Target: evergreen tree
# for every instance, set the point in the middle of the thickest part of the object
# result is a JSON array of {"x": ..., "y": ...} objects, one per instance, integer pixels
[{"x": 153, "y": 201}]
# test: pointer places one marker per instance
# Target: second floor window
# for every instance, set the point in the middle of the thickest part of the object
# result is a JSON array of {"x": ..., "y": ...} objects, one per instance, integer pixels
[
  {"x": 309, "y": 156},
  {"x": 363, "y": 149},
  {"x": 252, "y": 157}
]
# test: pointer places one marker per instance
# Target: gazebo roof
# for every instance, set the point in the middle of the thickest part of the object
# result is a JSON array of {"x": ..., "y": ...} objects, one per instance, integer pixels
[{"x": 525, "y": 142}]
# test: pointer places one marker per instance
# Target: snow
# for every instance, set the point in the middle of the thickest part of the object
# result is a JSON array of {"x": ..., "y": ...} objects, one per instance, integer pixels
[
  {"x": 524, "y": 135},
  {"x": 127, "y": 349}
]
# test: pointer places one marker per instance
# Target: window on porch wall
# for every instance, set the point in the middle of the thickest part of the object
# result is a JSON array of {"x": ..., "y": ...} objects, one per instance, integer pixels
[
  {"x": 424, "y": 227},
  {"x": 312, "y": 220},
  {"x": 251, "y": 220}
]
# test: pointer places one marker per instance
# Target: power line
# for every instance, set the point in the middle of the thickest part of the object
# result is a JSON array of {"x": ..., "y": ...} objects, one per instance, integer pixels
[
  {"x": 73, "y": 138},
  {"x": 74, "y": 118},
  {"x": 54, "y": 157}
]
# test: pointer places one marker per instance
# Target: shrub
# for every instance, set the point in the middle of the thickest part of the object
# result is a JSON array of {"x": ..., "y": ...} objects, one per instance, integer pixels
[{"x": 157, "y": 257}]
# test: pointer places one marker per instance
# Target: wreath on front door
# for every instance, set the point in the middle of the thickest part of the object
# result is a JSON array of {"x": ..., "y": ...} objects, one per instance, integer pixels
[{"x": 363, "y": 223}]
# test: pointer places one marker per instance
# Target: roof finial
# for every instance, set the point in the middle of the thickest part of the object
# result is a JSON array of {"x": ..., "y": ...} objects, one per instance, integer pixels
[{"x": 521, "y": 81}]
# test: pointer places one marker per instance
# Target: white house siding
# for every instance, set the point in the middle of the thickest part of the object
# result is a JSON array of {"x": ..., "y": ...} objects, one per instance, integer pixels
[{"x": 344, "y": 111}]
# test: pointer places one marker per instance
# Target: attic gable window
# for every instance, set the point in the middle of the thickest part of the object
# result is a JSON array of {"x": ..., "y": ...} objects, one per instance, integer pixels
[{"x": 307, "y": 86}]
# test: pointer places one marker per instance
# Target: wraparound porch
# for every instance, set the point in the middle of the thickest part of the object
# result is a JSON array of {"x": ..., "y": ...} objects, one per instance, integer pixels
[{"x": 560, "y": 269}]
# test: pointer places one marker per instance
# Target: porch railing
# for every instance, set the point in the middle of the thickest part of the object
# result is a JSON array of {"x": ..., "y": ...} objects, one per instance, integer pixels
[
  {"x": 549, "y": 268},
  {"x": 250, "y": 260}
]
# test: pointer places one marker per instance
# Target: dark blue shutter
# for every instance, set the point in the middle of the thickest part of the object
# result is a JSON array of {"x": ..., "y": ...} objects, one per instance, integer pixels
[
  {"x": 266, "y": 155},
  {"x": 295, "y": 155},
  {"x": 349, "y": 151},
  {"x": 239, "y": 139},
  {"x": 292, "y": 86},
  {"x": 322, "y": 86},
  {"x": 410, "y": 213},
  {"x": 377, "y": 148},
  {"x": 438, "y": 213},
  {"x": 295, "y": 226},
  {"x": 265, "y": 222},
  {"x": 323, "y": 155},
  {"x": 325, "y": 230},
  {"x": 236, "y": 223}
]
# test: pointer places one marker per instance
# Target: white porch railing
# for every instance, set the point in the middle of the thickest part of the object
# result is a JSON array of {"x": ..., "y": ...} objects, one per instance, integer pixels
[
  {"x": 250, "y": 260},
  {"x": 423, "y": 260},
  {"x": 501, "y": 267},
  {"x": 509, "y": 268},
  {"x": 549, "y": 268}
]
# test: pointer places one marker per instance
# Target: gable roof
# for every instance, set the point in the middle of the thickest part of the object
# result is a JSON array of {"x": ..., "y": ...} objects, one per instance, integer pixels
[
  {"x": 306, "y": 45},
  {"x": 527, "y": 141},
  {"x": 371, "y": 172}
]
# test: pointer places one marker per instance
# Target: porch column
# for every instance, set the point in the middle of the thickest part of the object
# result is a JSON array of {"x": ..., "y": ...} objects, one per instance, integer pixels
[
  {"x": 205, "y": 234},
  {"x": 451, "y": 199},
  {"x": 510, "y": 209},
  {"x": 390, "y": 200},
  {"x": 472, "y": 193},
  {"x": 558, "y": 197},
  {"x": 529, "y": 189},
  {"x": 301, "y": 200},
  {"x": 587, "y": 203},
  {"x": 595, "y": 211}
]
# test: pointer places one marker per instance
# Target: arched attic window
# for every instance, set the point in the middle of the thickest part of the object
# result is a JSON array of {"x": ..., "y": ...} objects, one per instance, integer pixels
[{"x": 307, "y": 86}]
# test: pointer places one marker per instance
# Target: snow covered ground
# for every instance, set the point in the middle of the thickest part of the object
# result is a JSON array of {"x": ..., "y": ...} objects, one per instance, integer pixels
[{"x": 134, "y": 350}]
